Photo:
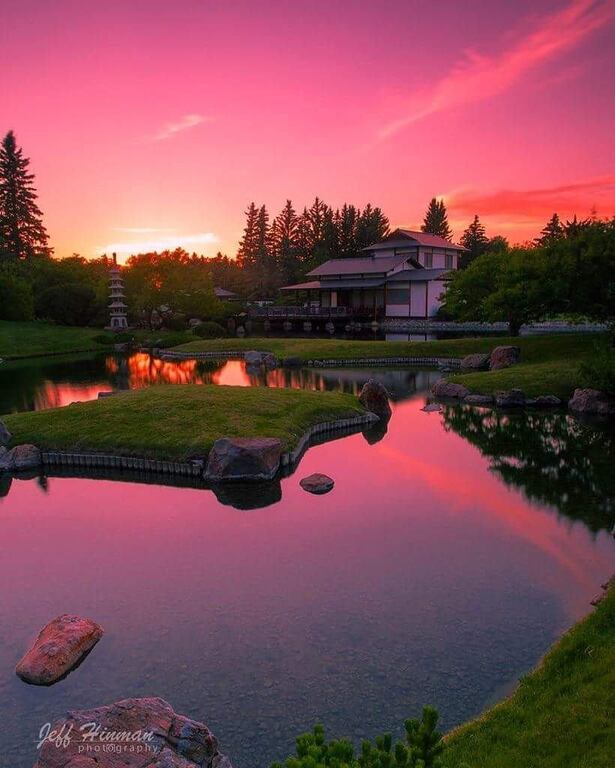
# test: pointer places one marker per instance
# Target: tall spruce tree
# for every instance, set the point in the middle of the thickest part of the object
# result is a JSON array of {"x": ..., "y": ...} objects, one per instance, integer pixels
[
  {"x": 372, "y": 227},
  {"x": 551, "y": 232},
  {"x": 283, "y": 241},
  {"x": 22, "y": 233},
  {"x": 475, "y": 240},
  {"x": 436, "y": 219},
  {"x": 248, "y": 245},
  {"x": 347, "y": 227}
]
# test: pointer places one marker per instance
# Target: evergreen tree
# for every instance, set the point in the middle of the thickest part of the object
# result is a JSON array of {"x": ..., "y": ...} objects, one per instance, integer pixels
[
  {"x": 475, "y": 240},
  {"x": 22, "y": 234},
  {"x": 372, "y": 227},
  {"x": 552, "y": 231},
  {"x": 284, "y": 243},
  {"x": 248, "y": 245},
  {"x": 436, "y": 220},
  {"x": 267, "y": 277},
  {"x": 347, "y": 229}
]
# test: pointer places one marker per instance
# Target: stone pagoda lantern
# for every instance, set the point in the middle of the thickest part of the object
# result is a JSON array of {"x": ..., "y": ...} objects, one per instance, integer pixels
[{"x": 118, "y": 320}]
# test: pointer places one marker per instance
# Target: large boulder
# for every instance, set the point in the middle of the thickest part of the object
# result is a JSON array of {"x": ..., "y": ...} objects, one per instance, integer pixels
[
  {"x": 254, "y": 359},
  {"x": 476, "y": 362},
  {"x": 243, "y": 458},
  {"x": 375, "y": 398},
  {"x": 546, "y": 401},
  {"x": 592, "y": 401},
  {"x": 59, "y": 647},
  {"x": 20, "y": 458},
  {"x": 133, "y": 733},
  {"x": 512, "y": 398},
  {"x": 445, "y": 389},
  {"x": 317, "y": 483},
  {"x": 478, "y": 400},
  {"x": 5, "y": 435},
  {"x": 504, "y": 357}
]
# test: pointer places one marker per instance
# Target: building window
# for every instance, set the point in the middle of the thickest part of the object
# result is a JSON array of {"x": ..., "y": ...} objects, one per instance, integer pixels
[
  {"x": 449, "y": 261},
  {"x": 398, "y": 296},
  {"x": 428, "y": 259}
]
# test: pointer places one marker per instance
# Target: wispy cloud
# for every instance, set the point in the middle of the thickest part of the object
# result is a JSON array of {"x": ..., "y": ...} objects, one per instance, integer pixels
[
  {"x": 142, "y": 230},
  {"x": 168, "y": 242},
  {"x": 477, "y": 77},
  {"x": 576, "y": 197},
  {"x": 185, "y": 123}
]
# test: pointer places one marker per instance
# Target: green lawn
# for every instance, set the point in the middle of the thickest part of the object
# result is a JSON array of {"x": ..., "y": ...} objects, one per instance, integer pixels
[
  {"x": 562, "y": 714},
  {"x": 31, "y": 339},
  {"x": 180, "y": 421}
]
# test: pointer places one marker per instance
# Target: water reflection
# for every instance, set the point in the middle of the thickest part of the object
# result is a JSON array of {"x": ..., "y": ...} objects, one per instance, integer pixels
[
  {"x": 553, "y": 457},
  {"x": 46, "y": 384}
]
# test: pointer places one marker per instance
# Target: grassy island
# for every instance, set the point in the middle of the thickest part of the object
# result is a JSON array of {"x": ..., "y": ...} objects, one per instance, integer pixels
[
  {"x": 181, "y": 421},
  {"x": 562, "y": 713}
]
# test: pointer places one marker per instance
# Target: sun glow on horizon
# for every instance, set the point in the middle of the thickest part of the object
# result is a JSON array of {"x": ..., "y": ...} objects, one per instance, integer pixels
[{"x": 167, "y": 243}]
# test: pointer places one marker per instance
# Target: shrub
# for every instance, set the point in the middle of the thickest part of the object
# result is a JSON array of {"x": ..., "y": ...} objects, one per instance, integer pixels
[
  {"x": 16, "y": 300},
  {"x": 176, "y": 322},
  {"x": 422, "y": 748},
  {"x": 70, "y": 304},
  {"x": 210, "y": 330},
  {"x": 112, "y": 338},
  {"x": 599, "y": 371}
]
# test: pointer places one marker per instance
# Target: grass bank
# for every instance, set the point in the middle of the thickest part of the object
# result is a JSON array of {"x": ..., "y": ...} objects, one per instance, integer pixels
[
  {"x": 31, "y": 339},
  {"x": 181, "y": 421},
  {"x": 549, "y": 364},
  {"x": 562, "y": 714}
]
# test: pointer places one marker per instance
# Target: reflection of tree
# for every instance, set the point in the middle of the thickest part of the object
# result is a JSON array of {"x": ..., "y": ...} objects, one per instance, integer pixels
[{"x": 555, "y": 459}]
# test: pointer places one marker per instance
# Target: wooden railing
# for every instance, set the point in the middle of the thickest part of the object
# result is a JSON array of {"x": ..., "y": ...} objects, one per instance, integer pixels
[{"x": 300, "y": 313}]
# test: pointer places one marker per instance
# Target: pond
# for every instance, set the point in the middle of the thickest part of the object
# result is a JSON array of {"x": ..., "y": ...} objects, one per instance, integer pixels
[{"x": 452, "y": 552}]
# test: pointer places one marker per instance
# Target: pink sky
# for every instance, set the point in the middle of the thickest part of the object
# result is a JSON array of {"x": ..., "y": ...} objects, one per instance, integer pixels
[{"x": 151, "y": 123}]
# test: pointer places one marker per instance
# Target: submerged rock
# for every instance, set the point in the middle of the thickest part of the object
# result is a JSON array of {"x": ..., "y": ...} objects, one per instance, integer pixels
[
  {"x": 512, "y": 398},
  {"x": 5, "y": 435},
  {"x": 504, "y": 357},
  {"x": 546, "y": 401},
  {"x": 20, "y": 457},
  {"x": 243, "y": 458},
  {"x": 448, "y": 389},
  {"x": 58, "y": 649},
  {"x": 254, "y": 358},
  {"x": 476, "y": 362},
  {"x": 375, "y": 398},
  {"x": 592, "y": 401},
  {"x": 317, "y": 483},
  {"x": 133, "y": 733},
  {"x": 432, "y": 408}
]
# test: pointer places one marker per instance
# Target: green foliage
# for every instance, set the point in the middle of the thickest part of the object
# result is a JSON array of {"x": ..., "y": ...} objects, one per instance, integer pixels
[
  {"x": 422, "y": 748},
  {"x": 71, "y": 304},
  {"x": 22, "y": 234},
  {"x": 476, "y": 242},
  {"x": 598, "y": 372},
  {"x": 436, "y": 219},
  {"x": 16, "y": 299},
  {"x": 210, "y": 330}
]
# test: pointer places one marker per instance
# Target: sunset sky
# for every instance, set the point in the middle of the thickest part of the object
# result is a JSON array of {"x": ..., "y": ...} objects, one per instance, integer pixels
[{"x": 152, "y": 123}]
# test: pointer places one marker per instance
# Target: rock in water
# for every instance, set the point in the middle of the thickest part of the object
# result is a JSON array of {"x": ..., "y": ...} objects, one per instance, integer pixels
[
  {"x": 317, "y": 483},
  {"x": 5, "y": 435},
  {"x": 478, "y": 400},
  {"x": 448, "y": 389},
  {"x": 432, "y": 408},
  {"x": 254, "y": 358},
  {"x": 243, "y": 458},
  {"x": 476, "y": 362},
  {"x": 375, "y": 398},
  {"x": 504, "y": 357},
  {"x": 60, "y": 646},
  {"x": 133, "y": 733},
  {"x": 20, "y": 457},
  {"x": 592, "y": 401},
  {"x": 547, "y": 401},
  {"x": 512, "y": 398}
]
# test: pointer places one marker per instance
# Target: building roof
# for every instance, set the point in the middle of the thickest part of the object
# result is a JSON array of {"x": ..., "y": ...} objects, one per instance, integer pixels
[
  {"x": 418, "y": 275},
  {"x": 313, "y": 285},
  {"x": 361, "y": 265},
  {"x": 402, "y": 238},
  {"x": 222, "y": 293}
]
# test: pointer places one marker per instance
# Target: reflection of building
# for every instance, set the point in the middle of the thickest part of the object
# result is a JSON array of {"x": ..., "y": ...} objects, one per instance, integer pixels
[
  {"x": 117, "y": 308},
  {"x": 403, "y": 276}
]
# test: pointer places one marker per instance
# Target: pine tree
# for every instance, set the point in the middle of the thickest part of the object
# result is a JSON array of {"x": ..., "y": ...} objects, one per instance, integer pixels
[
  {"x": 348, "y": 221},
  {"x": 372, "y": 227},
  {"x": 436, "y": 220},
  {"x": 248, "y": 245},
  {"x": 551, "y": 232},
  {"x": 22, "y": 234},
  {"x": 267, "y": 277},
  {"x": 475, "y": 240},
  {"x": 283, "y": 240}
]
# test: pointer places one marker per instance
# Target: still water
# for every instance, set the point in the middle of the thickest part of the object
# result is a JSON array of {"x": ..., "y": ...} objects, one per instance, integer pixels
[{"x": 449, "y": 556}]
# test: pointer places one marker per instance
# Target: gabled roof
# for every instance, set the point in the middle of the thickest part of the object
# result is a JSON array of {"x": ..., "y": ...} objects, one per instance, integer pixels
[
  {"x": 418, "y": 274},
  {"x": 310, "y": 286},
  {"x": 362, "y": 265},
  {"x": 223, "y": 293},
  {"x": 401, "y": 238}
]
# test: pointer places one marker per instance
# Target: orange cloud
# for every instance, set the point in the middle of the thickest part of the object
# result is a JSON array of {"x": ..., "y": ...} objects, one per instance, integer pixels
[
  {"x": 478, "y": 77},
  {"x": 577, "y": 197}
]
